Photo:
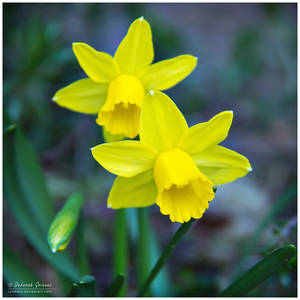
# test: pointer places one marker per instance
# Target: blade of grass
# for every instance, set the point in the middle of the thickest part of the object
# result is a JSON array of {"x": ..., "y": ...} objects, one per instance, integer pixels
[
  {"x": 268, "y": 266},
  {"x": 143, "y": 246},
  {"x": 165, "y": 255},
  {"x": 14, "y": 196},
  {"x": 120, "y": 253},
  {"x": 276, "y": 208},
  {"x": 82, "y": 256},
  {"x": 15, "y": 270},
  {"x": 115, "y": 286},
  {"x": 161, "y": 285},
  {"x": 32, "y": 182}
]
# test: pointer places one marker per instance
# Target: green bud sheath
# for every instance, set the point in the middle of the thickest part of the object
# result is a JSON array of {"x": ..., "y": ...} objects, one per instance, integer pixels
[{"x": 63, "y": 225}]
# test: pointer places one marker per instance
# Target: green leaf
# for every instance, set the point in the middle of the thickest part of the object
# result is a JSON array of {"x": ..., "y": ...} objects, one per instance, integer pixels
[
  {"x": 165, "y": 255},
  {"x": 14, "y": 195},
  {"x": 85, "y": 287},
  {"x": 115, "y": 286},
  {"x": 63, "y": 225},
  {"x": 276, "y": 208},
  {"x": 268, "y": 266},
  {"x": 32, "y": 182},
  {"x": 161, "y": 286},
  {"x": 15, "y": 270}
]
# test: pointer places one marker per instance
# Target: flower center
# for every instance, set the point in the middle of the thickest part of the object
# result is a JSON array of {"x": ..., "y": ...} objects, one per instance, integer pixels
[
  {"x": 183, "y": 191},
  {"x": 124, "y": 89},
  {"x": 174, "y": 167},
  {"x": 121, "y": 111}
]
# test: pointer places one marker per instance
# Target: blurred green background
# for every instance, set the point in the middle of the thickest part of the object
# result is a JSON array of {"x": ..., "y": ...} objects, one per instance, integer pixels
[{"x": 247, "y": 63}]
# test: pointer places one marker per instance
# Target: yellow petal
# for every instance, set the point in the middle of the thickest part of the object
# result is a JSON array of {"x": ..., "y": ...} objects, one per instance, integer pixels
[
  {"x": 125, "y": 158},
  {"x": 99, "y": 66},
  {"x": 137, "y": 191},
  {"x": 222, "y": 165},
  {"x": 162, "y": 123},
  {"x": 135, "y": 52},
  {"x": 165, "y": 74},
  {"x": 205, "y": 135},
  {"x": 189, "y": 201},
  {"x": 84, "y": 96}
]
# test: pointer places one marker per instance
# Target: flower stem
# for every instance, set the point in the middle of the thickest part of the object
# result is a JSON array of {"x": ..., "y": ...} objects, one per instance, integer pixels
[
  {"x": 165, "y": 255},
  {"x": 82, "y": 256},
  {"x": 120, "y": 254},
  {"x": 143, "y": 254}
]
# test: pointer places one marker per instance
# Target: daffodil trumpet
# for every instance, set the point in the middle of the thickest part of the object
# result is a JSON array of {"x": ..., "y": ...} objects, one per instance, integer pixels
[
  {"x": 116, "y": 86},
  {"x": 173, "y": 166}
]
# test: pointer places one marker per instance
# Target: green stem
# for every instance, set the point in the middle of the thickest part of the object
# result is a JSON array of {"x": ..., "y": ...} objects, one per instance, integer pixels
[
  {"x": 165, "y": 255},
  {"x": 115, "y": 286},
  {"x": 82, "y": 255},
  {"x": 143, "y": 249},
  {"x": 120, "y": 254}
]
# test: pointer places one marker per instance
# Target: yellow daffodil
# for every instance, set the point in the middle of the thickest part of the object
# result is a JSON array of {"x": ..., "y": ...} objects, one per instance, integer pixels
[
  {"x": 117, "y": 85},
  {"x": 172, "y": 165}
]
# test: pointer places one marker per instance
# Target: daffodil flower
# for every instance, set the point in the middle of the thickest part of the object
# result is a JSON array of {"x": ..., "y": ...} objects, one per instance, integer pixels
[
  {"x": 172, "y": 165},
  {"x": 117, "y": 85}
]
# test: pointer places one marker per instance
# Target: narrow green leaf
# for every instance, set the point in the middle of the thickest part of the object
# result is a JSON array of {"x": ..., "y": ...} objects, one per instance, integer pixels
[
  {"x": 63, "y": 225},
  {"x": 121, "y": 247},
  {"x": 81, "y": 250},
  {"x": 85, "y": 287},
  {"x": 14, "y": 196},
  {"x": 32, "y": 182},
  {"x": 15, "y": 270},
  {"x": 165, "y": 255},
  {"x": 268, "y": 266},
  {"x": 115, "y": 286},
  {"x": 161, "y": 286},
  {"x": 276, "y": 208}
]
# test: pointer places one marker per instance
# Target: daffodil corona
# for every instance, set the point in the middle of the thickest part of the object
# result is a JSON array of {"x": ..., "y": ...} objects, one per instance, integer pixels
[
  {"x": 117, "y": 85},
  {"x": 172, "y": 165}
]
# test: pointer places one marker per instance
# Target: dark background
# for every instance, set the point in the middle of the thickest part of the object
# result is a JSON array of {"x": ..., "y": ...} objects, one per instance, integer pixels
[{"x": 247, "y": 63}]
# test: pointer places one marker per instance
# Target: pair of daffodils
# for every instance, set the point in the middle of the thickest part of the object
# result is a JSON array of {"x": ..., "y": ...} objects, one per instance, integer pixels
[{"x": 172, "y": 165}]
